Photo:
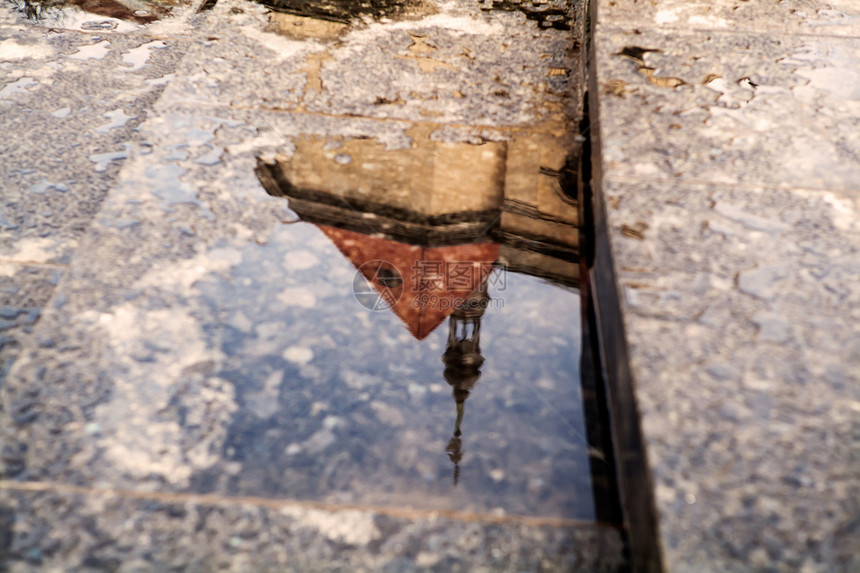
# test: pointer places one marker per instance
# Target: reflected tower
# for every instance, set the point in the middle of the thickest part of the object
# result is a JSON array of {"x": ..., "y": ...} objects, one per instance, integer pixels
[
  {"x": 463, "y": 361},
  {"x": 407, "y": 207}
]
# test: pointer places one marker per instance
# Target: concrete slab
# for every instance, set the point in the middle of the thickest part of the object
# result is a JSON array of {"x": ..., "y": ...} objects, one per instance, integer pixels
[
  {"x": 717, "y": 284},
  {"x": 73, "y": 102},
  {"x": 726, "y": 172},
  {"x": 714, "y": 107},
  {"x": 806, "y": 17},
  {"x": 25, "y": 289},
  {"x": 441, "y": 65},
  {"x": 74, "y": 529}
]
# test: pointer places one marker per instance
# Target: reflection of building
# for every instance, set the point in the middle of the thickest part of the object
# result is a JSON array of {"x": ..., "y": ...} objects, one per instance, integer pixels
[
  {"x": 436, "y": 193},
  {"x": 423, "y": 286},
  {"x": 429, "y": 290},
  {"x": 425, "y": 226}
]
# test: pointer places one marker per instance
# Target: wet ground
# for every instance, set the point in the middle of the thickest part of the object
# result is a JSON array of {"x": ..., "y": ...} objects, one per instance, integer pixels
[
  {"x": 730, "y": 156},
  {"x": 318, "y": 271}
]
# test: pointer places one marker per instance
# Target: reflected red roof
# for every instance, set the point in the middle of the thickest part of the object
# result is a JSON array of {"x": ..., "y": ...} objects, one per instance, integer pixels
[{"x": 434, "y": 279}]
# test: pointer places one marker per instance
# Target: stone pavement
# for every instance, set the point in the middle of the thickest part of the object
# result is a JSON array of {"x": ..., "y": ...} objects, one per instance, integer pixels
[
  {"x": 727, "y": 179},
  {"x": 70, "y": 107},
  {"x": 140, "y": 255}
]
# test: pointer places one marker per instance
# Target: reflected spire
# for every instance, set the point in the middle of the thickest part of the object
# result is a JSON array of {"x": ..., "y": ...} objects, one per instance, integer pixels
[
  {"x": 455, "y": 444},
  {"x": 463, "y": 361}
]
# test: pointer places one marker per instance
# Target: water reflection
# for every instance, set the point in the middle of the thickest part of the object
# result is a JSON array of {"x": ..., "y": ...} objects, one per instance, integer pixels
[
  {"x": 422, "y": 285},
  {"x": 434, "y": 283},
  {"x": 516, "y": 193},
  {"x": 463, "y": 362},
  {"x": 464, "y": 233},
  {"x": 341, "y": 404}
]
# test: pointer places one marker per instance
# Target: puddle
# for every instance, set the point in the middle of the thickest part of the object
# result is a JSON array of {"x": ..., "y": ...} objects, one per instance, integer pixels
[
  {"x": 379, "y": 377},
  {"x": 103, "y": 160},
  {"x": 117, "y": 118},
  {"x": 413, "y": 340},
  {"x": 415, "y": 345}
]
